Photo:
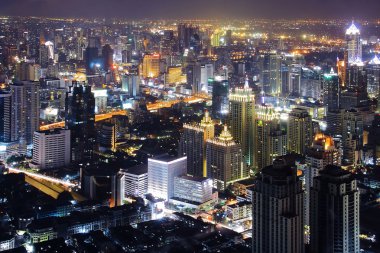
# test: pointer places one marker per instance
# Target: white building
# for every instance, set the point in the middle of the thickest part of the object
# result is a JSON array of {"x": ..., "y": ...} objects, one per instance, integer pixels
[
  {"x": 193, "y": 189},
  {"x": 51, "y": 149},
  {"x": 240, "y": 210},
  {"x": 161, "y": 173},
  {"x": 135, "y": 180}
]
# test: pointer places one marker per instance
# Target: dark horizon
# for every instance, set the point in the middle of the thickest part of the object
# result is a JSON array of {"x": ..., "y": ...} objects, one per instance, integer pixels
[{"x": 199, "y": 9}]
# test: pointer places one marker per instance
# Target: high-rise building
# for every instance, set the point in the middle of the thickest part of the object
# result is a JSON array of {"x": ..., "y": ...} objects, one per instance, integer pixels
[
  {"x": 354, "y": 44},
  {"x": 185, "y": 34},
  {"x": 323, "y": 152},
  {"x": 193, "y": 145},
  {"x": 107, "y": 137},
  {"x": 207, "y": 72},
  {"x": 131, "y": 84},
  {"x": 51, "y": 149},
  {"x": 278, "y": 208},
  {"x": 107, "y": 55},
  {"x": 334, "y": 212},
  {"x": 194, "y": 189},
  {"x": 300, "y": 130},
  {"x": 7, "y": 130},
  {"x": 136, "y": 180},
  {"x": 270, "y": 140},
  {"x": 26, "y": 109},
  {"x": 331, "y": 91},
  {"x": 242, "y": 105},
  {"x": 352, "y": 136},
  {"x": 373, "y": 77},
  {"x": 193, "y": 76},
  {"x": 161, "y": 173},
  {"x": 46, "y": 53},
  {"x": 270, "y": 75},
  {"x": 151, "y": 66},
  {"x": 224, "y": 160},
  {"x": 220, "y": 91},
  {"x": 80, "y": 119},
  {"x": 91, "y": 57}
]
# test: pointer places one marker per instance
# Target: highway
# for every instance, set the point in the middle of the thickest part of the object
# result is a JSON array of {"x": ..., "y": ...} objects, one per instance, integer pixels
[
  {"x": 34, "y": 175},
  {"x": 98, "y": 117}
]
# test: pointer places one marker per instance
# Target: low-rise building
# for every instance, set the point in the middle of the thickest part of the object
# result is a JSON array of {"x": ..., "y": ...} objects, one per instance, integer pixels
[{"x": 240, "y": 210}]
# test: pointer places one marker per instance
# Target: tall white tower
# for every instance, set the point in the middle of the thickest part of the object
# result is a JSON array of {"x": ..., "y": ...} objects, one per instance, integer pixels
[{"x": 354, "y": 44}]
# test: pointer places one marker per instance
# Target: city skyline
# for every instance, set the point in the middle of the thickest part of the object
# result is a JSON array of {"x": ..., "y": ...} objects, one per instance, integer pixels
[{"x": 272, "y": 9}]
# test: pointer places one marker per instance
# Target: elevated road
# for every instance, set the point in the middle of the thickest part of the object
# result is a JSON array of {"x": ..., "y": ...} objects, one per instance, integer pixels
[{"x": 98, "y": 117}]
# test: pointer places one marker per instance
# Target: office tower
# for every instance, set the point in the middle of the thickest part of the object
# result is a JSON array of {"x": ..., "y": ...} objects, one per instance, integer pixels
[
  {"x": 193, "y": 145},
  {"x": 220, "y": 91},
  {"x": 107, "y": 137},
  {"x": 151, "y": 66},
  {"x": 270, "y": 75},
  {"x": 341, "y": 65},
  {"x": 51, "y": 149},
  {"x": 185, "y": 33},
  {"x": 136, "y": 180},
  {"x": 130, "y": 83},
  {"x": 300, "y": 130},
  {"x": 7, "y": 130},
  {"x": 161, "y": 173},
  {"x": 354, "y": 44},
  {"x": 331, "y": 91},
  {"x": 294, "y": 80},
  {"x": 374, "y": 139},
  {"x": 91, "y": 58},
  {"x": 373, "y": 77},
  {"x": 323, "y": 152},
  {"x": 242, "y": 106},
  {"x": 352, "y": 136},
  {"x": 26, "y": 109},
  {"x": 278, "y": 209},
  {"x": 46, "y": 53},
  {"x": 193, "y": 76},
  {"x": 107, "y": 55},
  {"x": 28, "y": 72},
  {"x": 224, "y": 160},
  {"x": 175, "y": 76},
  {"x": 228, "y": 38},
  {"x": 334, "y": 212},
  {"x": 103, "y": 184},
  {"x": 197, "y": 190},
  {"x": 101, "y": 97},
  {"x": 270, "y": 140},
  {"x": 207, "y": 73},
  {"x": 334, "y": 120},
  {"x": 80, "y": 119}
]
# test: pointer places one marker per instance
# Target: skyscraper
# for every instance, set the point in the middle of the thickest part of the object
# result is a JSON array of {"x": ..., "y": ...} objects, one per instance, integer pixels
[
  {"x": 300, "y": 130},
  {"x": 352, "y": 136},
  {"x": 107, "y": 54},
  {"x": 7, "y": 133},
  {"x": 334, "y": 212},
  {"x": 270, "y": 139},
  {"x": 224, "y": 160},
  {"x": 130, "y": 83},
  {"x": 331, "y": 91},
  {"x": 220, "y": 91},
  {"x": 193, "y": 145},
  {"x": 270, "y": 75},
  {"x": 51, "y": 148},
  {"x": 323, "y": 152},
  {"x": 161, "y": 173},
  {"x": 278, "y": 206},
  {"x": 80, "y": 119},
  {"x": 354, "y": 44},
  {"x": 242, "y": 105},
  {"x": 26, "y": 109},
  {"x": 151, "y": 66}
]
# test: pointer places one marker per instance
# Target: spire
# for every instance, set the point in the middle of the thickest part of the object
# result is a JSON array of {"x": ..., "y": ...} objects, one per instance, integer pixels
[
  {"x": 225, "y": 135},
  {"x": 375, "y": 60},
  {"x": 352, "y": 30},
  {"x": 246, "y": 83},
  {"x": 206, "y": 119}
]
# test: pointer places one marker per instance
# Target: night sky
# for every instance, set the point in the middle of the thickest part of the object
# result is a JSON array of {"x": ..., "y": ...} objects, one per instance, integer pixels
[{"x": 132, "y": 9}]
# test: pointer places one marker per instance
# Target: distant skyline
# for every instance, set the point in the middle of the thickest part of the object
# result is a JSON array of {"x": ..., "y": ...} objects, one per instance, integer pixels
[{"x": 138, "y": 9}]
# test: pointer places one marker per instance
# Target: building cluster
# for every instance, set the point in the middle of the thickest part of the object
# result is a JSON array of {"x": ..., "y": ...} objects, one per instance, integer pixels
[{"x": 136, "y": 136}]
